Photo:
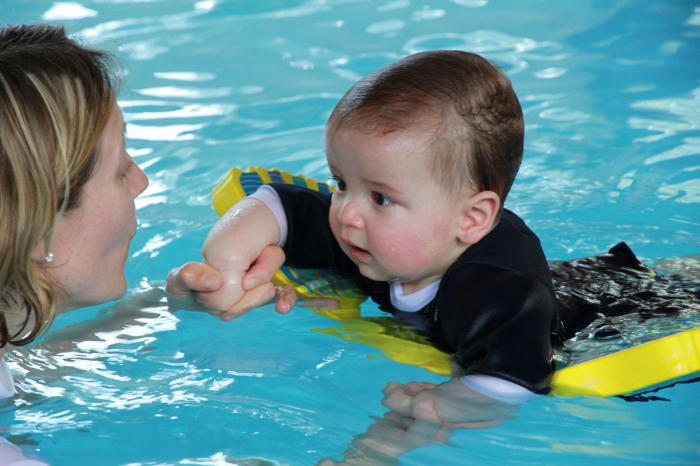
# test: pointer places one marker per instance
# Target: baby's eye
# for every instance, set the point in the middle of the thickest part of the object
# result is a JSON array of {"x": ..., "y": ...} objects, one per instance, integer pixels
[
  {"x": 339, "y": 182},
  {"x": 380, "y": 199}
]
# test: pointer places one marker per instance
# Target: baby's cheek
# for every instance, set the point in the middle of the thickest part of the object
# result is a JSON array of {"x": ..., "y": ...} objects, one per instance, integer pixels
[
  {"x": 422, "y": 245},
  {"x": 409, "y": 251},
  {"x": 333, "y": 221}
]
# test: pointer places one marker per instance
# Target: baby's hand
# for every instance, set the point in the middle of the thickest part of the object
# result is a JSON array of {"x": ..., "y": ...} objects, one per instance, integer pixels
[
  {"x": 420, "y": 413},
  {"x": 450, "y": 404}
]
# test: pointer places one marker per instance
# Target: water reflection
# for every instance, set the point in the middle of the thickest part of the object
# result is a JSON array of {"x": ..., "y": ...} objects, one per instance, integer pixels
[
  {"x": 427, "y": 14},
  {"x": 62, "y": 11},
  {"x": 163, "y": 132},
  {"x": 185, "y": 111},
  {"x": 184, "y": 75},
  {"x": 627, "y": 331},
  {"x": 385, "y": 27},
  {"x": 513, "y": 53},
  {"x": 470, "y": 3},
  {"x": 186, "y": 92},
  {"x": 685, "y": 110}
]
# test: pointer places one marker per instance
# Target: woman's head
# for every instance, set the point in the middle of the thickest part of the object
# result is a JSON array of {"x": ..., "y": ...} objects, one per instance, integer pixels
[{"x": 57, "y": 103}]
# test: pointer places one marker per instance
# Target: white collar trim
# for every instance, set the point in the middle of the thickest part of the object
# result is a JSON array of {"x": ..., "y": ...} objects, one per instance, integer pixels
[{"x": 415, "y": 301}]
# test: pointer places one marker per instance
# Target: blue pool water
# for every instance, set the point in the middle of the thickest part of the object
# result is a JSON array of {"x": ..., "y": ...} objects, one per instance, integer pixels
[{"x": 611, "y": 94}]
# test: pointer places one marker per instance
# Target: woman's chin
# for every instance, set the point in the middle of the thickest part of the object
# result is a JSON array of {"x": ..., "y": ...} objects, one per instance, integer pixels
[{"x": 113, "y": 293}]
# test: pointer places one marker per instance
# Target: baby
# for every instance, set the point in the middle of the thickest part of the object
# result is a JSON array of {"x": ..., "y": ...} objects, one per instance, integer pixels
[{"x": 423, "y": 153}]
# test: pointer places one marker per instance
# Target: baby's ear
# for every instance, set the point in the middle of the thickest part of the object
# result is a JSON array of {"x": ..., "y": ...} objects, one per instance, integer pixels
[{"x": 479, "y": 213}]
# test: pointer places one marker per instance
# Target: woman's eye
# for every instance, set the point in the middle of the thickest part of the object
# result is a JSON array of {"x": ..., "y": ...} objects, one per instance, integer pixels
[
  {"x": 339, "y": 182},
  {"x": 380, "y": 199}
]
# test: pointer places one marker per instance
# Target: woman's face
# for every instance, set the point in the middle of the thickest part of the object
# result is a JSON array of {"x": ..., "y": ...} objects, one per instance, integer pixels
[{"x": 91, "y": 241}]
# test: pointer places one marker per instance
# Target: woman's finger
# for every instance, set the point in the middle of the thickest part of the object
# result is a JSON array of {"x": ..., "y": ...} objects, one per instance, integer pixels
[
  {"x": 253, "y": 298},
  {"x": 192, "y": 277},
  {"x": 268, "y": 262}
]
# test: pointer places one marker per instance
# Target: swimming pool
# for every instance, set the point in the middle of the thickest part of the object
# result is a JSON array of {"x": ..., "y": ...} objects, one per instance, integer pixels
[{"x": 611, "y": 97}]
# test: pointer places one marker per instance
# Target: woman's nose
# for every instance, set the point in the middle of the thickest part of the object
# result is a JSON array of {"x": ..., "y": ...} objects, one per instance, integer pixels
[{"x": 140, "y": 181}]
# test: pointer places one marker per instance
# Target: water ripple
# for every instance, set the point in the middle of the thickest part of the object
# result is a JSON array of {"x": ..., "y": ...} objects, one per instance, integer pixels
[
  {"x": 62, "y": 11},
  {"x": 163, "y": 132},
  {"x": 690, "y": 147},
  {"x": 191, "y": 76},
  {"x": 686, "y": 111},
  {"x": 186, "y": 92},
  {"x": 385, "y": 27},
  {"x": 470, "y": 3},
  {"x": 38, "y": 421},
  {"x": 512, "y": 52},
  {"x": 184, "y": 111}
]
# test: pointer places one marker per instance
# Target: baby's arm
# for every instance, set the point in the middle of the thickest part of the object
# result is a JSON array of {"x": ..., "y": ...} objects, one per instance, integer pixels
[
  {"x": 192, "y": 278},
  {"x": 498, "y": 322},
  {"x": 233, "y": 246},
  {"x": 501, "y": 339},
  {"x": 236, "y": 267}
]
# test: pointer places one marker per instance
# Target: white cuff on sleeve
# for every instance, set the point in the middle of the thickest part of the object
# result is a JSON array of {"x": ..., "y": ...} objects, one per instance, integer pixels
[
  {"x": 498, "y": 389},
  {"x": 268, "y": 196}
]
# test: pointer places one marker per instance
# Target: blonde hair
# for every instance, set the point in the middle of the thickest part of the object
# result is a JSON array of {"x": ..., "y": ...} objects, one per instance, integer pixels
[
  {"x": 55, "y": 99},
  {"x": 468, "y": 104}
]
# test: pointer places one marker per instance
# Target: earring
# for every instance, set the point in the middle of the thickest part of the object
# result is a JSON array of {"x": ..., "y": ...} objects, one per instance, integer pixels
[{"x": 48, "y": 258}]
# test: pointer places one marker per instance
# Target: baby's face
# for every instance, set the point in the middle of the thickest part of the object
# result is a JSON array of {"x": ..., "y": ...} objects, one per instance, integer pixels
[{"x": 389, "y": 214}]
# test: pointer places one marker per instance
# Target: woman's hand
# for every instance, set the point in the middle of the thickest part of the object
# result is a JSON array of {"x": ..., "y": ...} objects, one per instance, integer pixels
[
  {"x": 258, "y": 286},
  {"x": 190, "y": 286}
]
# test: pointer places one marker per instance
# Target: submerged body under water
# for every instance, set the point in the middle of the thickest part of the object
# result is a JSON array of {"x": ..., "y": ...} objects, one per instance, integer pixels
[{"x": 617, "y": 284}]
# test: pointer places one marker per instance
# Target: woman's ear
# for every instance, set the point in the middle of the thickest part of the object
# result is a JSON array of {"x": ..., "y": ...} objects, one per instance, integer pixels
[
  {"x": 40, "y": 252},
  {"x": 479, "y": 214}
]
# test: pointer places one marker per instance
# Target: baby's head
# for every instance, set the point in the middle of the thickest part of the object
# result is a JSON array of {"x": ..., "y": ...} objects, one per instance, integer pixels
[{"x": 460, "y": 101}]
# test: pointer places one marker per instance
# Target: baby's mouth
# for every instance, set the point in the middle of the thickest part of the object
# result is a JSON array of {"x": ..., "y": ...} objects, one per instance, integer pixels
[{"x": 359, "y": 254}]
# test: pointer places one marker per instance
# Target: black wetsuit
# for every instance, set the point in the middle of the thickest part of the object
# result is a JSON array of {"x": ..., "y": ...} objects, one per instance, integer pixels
[
  {"x": 495, "y": 307},
  {"x": 498, "y": 308}
]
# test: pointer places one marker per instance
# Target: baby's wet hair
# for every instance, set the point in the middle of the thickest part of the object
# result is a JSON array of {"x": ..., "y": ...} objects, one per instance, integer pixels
[{"x": 466, "y": 102}]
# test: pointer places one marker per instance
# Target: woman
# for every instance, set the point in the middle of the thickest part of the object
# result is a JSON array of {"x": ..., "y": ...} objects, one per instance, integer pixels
[
  {"x": 67, "y": 185},
  {"x": 67, "y": 189}
]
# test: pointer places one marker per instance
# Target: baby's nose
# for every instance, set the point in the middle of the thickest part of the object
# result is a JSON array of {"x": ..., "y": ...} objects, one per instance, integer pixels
[{"x": 349, "y": 214}]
